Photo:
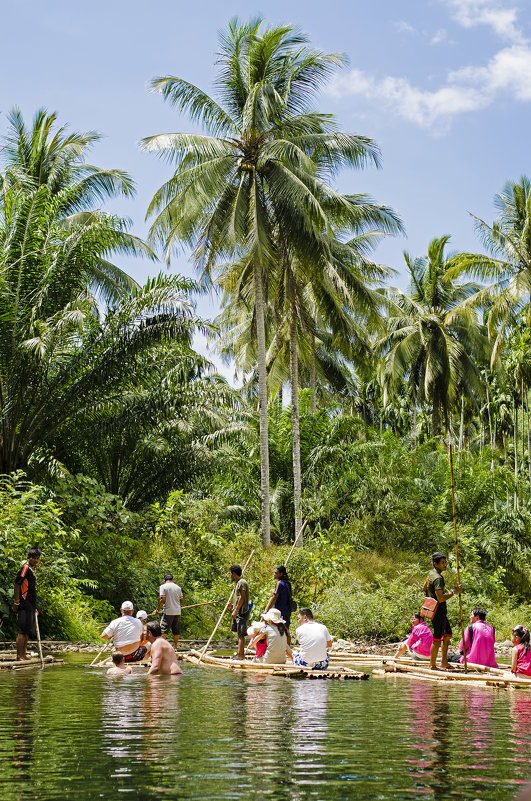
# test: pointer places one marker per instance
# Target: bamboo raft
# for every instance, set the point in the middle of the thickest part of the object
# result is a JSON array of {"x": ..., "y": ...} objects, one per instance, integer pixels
[
  {"x": 477, "y": 675},
  {"x": 287, "y": 670},
  {"x": 9, "y": 662}
]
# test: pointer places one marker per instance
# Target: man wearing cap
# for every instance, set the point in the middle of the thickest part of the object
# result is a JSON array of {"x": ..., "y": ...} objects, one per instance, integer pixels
[
  {"x": 442, "y": 632},
  {"x": 127, "y": 634},
  {"x": 171, "y": 598}
]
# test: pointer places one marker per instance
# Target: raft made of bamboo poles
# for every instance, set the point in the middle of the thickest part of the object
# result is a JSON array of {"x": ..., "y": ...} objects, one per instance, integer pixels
[
  {"x": 287, "y": 670},
  {"x": 477, "y": 675},
  {"x": 32, "y": 662}
]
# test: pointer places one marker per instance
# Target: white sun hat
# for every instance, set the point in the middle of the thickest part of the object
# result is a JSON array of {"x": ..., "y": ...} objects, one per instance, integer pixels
[
  {"x": 273, "y": 616},
  {"x": 255, "y": 627}
]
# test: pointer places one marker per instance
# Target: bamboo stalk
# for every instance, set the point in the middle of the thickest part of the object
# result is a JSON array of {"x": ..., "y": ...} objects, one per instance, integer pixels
[
  {"x": 206, "y": 603},
  {"x": 100, "y": 653},
  {"x": 39, "y": 639},
  {"x": 454, "y": 515},
  {"x": 296, "y": 541},
  {"x": 224, "y": 609}
]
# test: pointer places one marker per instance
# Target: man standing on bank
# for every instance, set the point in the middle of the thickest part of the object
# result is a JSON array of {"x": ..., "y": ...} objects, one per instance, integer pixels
[
  {"x": 25, "y": 602},
  {"x": 442, "y": 632},
  {"x": 171, "y": 598},
  {"x": 240, "y": 608}
]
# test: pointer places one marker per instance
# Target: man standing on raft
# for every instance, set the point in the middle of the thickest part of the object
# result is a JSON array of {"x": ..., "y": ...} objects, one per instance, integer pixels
[
  {"x": 25, "y": 602},
  {"x": 442, "y": 632}
]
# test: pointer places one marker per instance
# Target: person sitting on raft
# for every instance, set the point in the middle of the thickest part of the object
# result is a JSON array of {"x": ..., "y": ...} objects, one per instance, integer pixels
[
  {"x": 281, "y": 597},
  {"x": 119, "y": 667},
  {"x": 418, "y": 644},
  {"x": 275, "y": 633},
  {"x": 313, "y": 639},
  {"x": 258, "y": 638},
  {"x": 521, "y": 656},
  {"x": 479, "y": 640},
  {"x": 127, "y": 633}
]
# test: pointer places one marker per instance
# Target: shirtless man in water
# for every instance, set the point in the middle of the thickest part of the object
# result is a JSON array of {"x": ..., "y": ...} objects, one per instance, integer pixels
[{"x": 163, "y": 658}]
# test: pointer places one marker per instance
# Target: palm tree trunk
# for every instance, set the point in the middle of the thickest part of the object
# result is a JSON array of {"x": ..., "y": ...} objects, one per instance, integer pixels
[
  {"x": 414, "y": 418},
  {"x": 295, "y": 430},
  {"x": 462, "y": 423},
  {"x": 435, "y": 417},
  {"x": 313, "y": 397},
  {"x": 490, "y": 429},
  {"x": 528, "y": 440},
  {"x": 515, "y": 436},
  {"x": 262, "y": 400}
]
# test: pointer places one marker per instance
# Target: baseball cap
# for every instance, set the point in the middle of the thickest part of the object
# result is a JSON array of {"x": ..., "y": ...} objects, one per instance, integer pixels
[{"x": 128, "y": 606}]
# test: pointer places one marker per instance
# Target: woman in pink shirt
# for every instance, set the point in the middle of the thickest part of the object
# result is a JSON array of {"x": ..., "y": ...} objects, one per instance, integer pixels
[
  {"x": 521, "y": 658},
  {"x": 479, "y": 640},
  {"x": 419, "y": 641}
]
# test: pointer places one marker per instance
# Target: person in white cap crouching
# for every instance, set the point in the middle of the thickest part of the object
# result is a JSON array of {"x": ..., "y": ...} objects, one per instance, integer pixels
[
  {"x": 127, "y": 634},
  {"x": 275, "y": 633}
]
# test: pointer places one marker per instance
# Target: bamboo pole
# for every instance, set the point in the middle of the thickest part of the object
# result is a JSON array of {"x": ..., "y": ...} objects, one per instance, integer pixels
[
  {"x": 39, "y": 639},
  {"x": 454, "y": 515},
  {"x": 100, "y": 652},
  {"x": 206, "y": 603},
  {"x": 224, "y": 610},
  {"x": 296, "y": 541}
]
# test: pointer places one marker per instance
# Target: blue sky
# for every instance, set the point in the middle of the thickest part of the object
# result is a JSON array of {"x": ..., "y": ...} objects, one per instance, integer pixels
[{"x": 443, "y": 87}]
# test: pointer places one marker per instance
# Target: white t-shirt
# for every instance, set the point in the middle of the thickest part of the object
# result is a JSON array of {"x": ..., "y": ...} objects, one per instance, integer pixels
[
  {"x": 276, "y": 646},
  {"x": 172, "y": 594},
  {"x": 126, "y": 630},
  {"x": 312, "y": 638}
]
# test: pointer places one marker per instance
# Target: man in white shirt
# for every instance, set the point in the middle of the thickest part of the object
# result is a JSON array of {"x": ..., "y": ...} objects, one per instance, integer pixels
[
  {"x": 171, "y": 597},
  {"x": 313, "y": 639},
  {"x": 127, "y": 634}
]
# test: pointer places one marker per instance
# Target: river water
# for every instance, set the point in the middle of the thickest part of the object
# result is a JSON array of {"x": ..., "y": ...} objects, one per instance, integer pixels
[{"x": 73, "y": 733}]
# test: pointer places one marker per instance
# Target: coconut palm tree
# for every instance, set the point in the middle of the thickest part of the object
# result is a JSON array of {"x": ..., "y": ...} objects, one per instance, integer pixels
[
  {"x": 250, "y": 184},
  {"x": 421, "y": 347},
  {"x": 45, "y": 155},
  {"x": 507, "y": 265}
]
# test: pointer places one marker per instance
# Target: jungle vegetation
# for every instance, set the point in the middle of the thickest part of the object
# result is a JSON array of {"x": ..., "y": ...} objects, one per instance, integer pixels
[{"x": 123, "y": 454}]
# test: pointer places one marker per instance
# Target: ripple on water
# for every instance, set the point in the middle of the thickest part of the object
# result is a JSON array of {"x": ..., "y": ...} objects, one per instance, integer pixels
[{"x": 71, "y": 732}]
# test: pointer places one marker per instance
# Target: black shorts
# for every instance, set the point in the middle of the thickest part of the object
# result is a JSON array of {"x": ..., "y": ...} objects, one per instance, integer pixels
[
  {"x": 172, "y": 622},
  {"x": 441, "y": 626},
  {"x": 240, "y": 624},
  {"x": 26, "y": 620}
]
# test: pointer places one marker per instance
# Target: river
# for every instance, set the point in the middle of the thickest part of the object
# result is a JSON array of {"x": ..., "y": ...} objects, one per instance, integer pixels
[{"x": 73, "y": 733}]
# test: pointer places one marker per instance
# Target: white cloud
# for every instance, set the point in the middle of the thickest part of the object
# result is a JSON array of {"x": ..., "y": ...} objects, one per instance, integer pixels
[
  {"x": 404, "y": 27},
  {"x": 494, "y": 13},
  {"x": 467, "y": 89},
  {"x": 440, "y": 36}
]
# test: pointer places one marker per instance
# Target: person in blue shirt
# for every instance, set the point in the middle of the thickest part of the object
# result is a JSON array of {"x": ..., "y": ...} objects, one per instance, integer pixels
[{"x": 281, "y": 597}]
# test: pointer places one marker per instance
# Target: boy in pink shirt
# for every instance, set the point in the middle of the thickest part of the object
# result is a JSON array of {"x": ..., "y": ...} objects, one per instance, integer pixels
[
  {"x": 479, "y": 640},
  {"x": 419, "y": 641}
]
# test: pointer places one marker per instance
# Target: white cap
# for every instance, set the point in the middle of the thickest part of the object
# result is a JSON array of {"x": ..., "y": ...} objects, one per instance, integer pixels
[
  {"x": 142, "y": 614},
  {"x": 127, "y": 606}
]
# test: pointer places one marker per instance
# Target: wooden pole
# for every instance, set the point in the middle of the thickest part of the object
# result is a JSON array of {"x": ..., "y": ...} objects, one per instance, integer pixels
[
  {"x": 454, "y": 515},
  {"x": 39, "y": 639},
  {"x": 224, "y": 609},
  {"x": 100, "y": 653},
  {"x": 206, "y": 603},
  {"x": 299, "y": 535}
]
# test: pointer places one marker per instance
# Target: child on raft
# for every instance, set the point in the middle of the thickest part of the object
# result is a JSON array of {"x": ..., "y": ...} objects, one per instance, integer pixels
[{"x": 521, "y": 656}]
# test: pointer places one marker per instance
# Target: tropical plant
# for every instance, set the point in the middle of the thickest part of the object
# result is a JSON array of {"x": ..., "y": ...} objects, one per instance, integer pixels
[
  {"x": 421, "y": 347},
  {"x": 251, "y": 185}
]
